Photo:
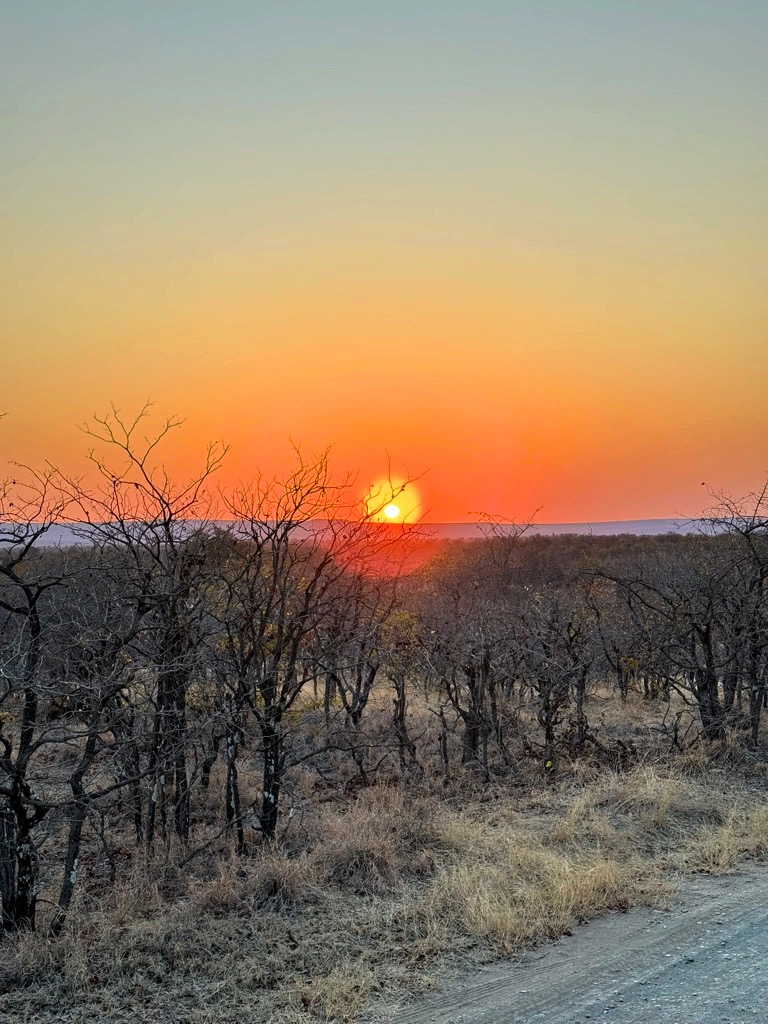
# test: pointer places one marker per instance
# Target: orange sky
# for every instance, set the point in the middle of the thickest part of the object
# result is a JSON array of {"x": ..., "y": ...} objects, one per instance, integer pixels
[{"x": 524, "y": 261}]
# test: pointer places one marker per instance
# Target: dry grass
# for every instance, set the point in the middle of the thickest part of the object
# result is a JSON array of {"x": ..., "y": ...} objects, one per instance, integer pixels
[
  {"x": 341, "y": 994},
  {"x": 361, "y": 906},
  {"x": 530, "y": 895},
  {"x": 743, "y": 836},
  {"x": 380, "y": 839}
]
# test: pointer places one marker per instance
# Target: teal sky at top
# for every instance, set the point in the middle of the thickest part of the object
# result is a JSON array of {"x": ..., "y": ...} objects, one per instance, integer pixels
[{"x": 104, "y": 98}]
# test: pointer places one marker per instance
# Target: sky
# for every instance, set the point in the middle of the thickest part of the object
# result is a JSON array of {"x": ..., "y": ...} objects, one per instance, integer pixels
[{"x": 515, "y": 248}]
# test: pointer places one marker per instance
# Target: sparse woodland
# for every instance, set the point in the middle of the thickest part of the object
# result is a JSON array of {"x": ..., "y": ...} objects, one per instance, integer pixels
[{"x": 261, "y": 755}]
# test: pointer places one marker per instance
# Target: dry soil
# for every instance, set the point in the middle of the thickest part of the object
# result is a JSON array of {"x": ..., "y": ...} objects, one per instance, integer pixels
[{"x": 702, "y": 960}]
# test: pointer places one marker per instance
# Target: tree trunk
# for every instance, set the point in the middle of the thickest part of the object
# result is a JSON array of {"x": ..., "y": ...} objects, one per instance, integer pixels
[
  {"x": 273, "y": 775},
  {"x": 470, "y": 742},
  {"x": 25, "y": 906},
  {"x": 404, "y": 742},
  {"x": 70, "y": 867},
  {"x": 23, "y": 889},
  {"x": 8, "y": 856},
  {"x": 76, "y": 822},
  {"x": 232, "y": 798},
  {"x": 580, "y": 716},
  {"x": 496, "y": 722},
  {"x": 330, "y": 688},
  {"x": 208, "y": 762}
]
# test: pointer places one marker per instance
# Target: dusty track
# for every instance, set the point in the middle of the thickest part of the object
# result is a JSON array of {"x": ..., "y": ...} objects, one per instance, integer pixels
[{"x": 703, "y": 961}]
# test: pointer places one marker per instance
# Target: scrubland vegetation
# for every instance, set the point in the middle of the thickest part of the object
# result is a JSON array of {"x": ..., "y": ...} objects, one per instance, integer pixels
[{"x": 264, "y": 758}]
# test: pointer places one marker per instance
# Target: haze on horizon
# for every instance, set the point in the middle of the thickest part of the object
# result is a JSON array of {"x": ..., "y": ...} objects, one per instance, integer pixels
[{"x": 513, "y": 245}]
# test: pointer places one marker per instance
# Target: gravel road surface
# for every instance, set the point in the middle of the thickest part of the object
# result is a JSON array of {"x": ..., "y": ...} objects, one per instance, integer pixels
[{"x": 703, "y": 961}]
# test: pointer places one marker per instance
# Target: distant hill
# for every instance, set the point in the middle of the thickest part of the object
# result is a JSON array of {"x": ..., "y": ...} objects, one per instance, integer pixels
[
  {"x": 637, "y": 527},
  {"x": 64, "y": 536}
]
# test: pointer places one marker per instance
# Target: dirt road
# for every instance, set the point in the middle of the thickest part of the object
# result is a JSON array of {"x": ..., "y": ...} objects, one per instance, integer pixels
[{"x": 704, "y": 961}]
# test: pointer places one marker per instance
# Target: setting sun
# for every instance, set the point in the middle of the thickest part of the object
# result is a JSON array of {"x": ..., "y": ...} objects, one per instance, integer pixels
[{"x": 392, "y": 500}]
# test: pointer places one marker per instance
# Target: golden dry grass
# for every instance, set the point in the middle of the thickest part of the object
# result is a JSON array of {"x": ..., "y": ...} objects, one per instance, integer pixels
[
  {"x": 744, "y": 835},
  {"x": 362, "y": 907}
]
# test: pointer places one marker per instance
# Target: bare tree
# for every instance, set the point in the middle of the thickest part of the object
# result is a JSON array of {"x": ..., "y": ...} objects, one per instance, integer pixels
[
  {"x": 28, "y": 510},
  {"x": 162, "y": 529},
  {"x": 680, "y": 606},
  {"x": 744, "y": 522},
  {"x": 299, "y": 542}
]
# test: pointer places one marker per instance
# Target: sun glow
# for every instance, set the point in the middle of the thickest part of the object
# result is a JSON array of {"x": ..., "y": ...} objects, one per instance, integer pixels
[{"x": 392, "y": 501}]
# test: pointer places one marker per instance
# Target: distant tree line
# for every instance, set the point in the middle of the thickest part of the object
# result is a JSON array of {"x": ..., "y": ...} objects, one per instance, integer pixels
[{"x": 195, "y": 639}]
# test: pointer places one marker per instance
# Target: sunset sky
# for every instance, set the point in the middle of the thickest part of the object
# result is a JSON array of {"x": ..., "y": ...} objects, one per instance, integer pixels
[{"x": 519, "y": 245}]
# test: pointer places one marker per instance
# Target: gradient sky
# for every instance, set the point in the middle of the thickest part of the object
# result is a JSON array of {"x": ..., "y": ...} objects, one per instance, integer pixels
[{"x": 518, "y": 245}]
